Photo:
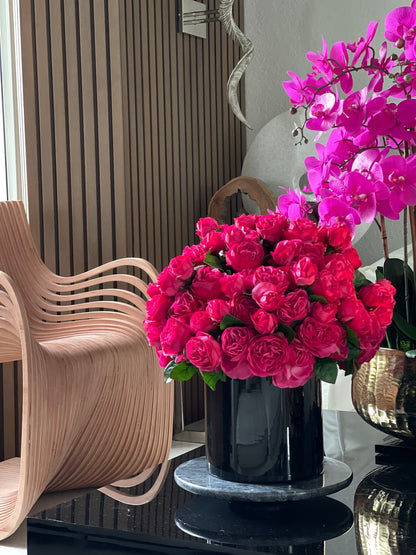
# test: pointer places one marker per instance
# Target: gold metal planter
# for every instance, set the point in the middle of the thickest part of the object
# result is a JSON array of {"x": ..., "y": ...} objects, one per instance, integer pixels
[{"x": 384, "y": 393}]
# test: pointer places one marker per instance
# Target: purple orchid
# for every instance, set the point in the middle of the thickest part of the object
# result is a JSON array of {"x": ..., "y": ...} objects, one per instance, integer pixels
[
  {"x": 353, "y": 112},
  {"x": 320, "y": 62},
  {"x": 363, "y": 45},
  {"x": 324, "y": 112},
  {"x": 293, "y": 204},
  {"x": 332, "y": 210},
  {"x": 339, "y": 61}
]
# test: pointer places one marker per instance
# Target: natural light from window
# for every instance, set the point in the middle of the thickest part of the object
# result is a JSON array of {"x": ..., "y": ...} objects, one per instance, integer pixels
[{"x": 3, "y": 176}]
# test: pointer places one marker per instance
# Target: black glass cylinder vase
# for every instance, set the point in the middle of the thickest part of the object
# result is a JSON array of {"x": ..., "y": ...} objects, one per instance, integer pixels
[{"x": 259, "y": 433}]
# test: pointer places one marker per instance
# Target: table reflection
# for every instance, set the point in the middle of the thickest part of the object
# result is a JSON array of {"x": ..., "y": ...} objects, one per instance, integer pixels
[
  {"x": 290, "y": 527},
  {"x": 385, "y": 512}
]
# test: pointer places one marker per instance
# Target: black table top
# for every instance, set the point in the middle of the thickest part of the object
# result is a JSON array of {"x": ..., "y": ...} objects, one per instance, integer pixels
[{"x": 375, "y": 514}]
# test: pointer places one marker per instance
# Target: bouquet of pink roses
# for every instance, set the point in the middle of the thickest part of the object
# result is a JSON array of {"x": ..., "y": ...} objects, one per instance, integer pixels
[{"x": 266, "y": 296}]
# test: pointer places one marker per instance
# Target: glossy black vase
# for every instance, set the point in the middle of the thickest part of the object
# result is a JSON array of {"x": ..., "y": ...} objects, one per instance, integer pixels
[{"x": 259, "y": 433}]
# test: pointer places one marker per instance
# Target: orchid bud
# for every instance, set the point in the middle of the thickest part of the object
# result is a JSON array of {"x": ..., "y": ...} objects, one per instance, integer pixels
[
  {"x": 295, "y": 133},
  {"x": 407, "y": 78},
  {"x": 400, "y": 43},
  {"x": 293, "y": 111}
]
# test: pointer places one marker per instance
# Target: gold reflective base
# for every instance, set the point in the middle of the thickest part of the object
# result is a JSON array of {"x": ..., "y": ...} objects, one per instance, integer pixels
[{"x": 384, "y": 393}]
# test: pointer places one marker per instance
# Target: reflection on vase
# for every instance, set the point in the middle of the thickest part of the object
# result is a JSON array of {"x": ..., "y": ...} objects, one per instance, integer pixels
[
  {"x": 385, "y": 512},
  {"x": 259, "y": 433},
  {"x": 384, "y": 393},
  {"x": 299, "y": 527}
]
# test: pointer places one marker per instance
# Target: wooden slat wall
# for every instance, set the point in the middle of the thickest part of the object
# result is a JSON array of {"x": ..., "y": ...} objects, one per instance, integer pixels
[{"x": 128, "y": 135}]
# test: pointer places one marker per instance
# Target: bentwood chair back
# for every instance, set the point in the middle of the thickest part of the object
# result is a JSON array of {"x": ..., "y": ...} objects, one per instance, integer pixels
[{"x": 95, "y": 409}]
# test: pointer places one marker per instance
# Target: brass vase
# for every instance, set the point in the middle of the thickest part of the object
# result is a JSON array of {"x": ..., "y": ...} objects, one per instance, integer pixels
[{"x": 384, "y": 393}]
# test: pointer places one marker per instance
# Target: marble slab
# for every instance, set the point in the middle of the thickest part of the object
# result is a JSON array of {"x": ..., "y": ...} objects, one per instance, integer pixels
[{"x": 193, "y": 476}]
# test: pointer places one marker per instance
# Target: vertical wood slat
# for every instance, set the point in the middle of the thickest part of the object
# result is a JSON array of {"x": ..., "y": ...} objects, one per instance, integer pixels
[{"x": 128, "y": 132}]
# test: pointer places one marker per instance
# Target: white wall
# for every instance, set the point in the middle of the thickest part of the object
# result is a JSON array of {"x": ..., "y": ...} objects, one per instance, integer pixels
[{"x": 282, "y": 31}]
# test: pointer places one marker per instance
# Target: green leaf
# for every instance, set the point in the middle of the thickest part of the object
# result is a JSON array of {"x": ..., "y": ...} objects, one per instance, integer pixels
[
  {"x": 351, "y": 336},
  {"x": 351, "y": 367},
  {"x": 212, "y": 378},
  {"x": 394, "y": 272},
  {"x": 213, "y": 261},
  {"x": 230, "y": 321},
  {"x": 379, "y": 272},
  {"x": 407, "y": 329},
  {"x": 360, "y": 280},
  {"x": 318, "y": 298},
  {"x": 181, "y": 371},
  {"x": 287, "y": 331},
  {"x": 326, "y": 370}
]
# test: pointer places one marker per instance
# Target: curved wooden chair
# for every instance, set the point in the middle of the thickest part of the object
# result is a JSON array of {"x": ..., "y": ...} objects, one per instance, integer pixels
[
  {"x": 254, "y": 188},
  {"x": 95, "y": 408}
]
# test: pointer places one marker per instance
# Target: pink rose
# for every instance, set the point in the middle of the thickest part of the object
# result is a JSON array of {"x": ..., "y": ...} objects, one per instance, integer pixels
[
  {"x": 213, "y": 242},
  {"x": 231, "y": 284},
  {"x": 264, "y": 322},
  {"x": 267, "y": 354},
  {"x": 267, "y": 295},
  {"x": 185, "y": 304},
  {"x": 286, "y": 251},
  {"x": 246, "y": 221},
  {"x": 384, "y": 315},
  {"x": 339, "y": 236},
  {"x": 153, "y": 331},
  {"x": 153, "y": 289},
  {"x": 327, "y": 286},
  {"x": 201, "y": 321},
  {"x": 304, "y": 271},
  {"x": 168, "y": 283},
  {"x": 181, "y": 267},
  {"x": 302, "y": 229},
  {"x": 298, "y": 368},
  {"x": 315, "y": 251},
  {"x": 295, "y": 306},
  {"x": 205, "y": 225},
  {"x": 217, "y": 309},
  {"x": 324, "y": 312},
  {"x": 196, "y": 253},
  {"x": 339, "y": 266},
  {"x": 157, "y": 307},
  {"x": 271, "y": 226},
  {"x": 352, "y": 256},
  {"x": 234, "y": 342},
  {"x": 246, "y": 254},
  {"x": 206, "y": 284},
  {"x": 174, "y": 336},
  {"x": 277, "y": 276},
  {"x": 351, "y": 308},
  {"x": 163, "y": 359},
  {"x": 204, "y": 352},
  {"x": 380, "y": 293},
  {"x": 320, "y": 338},
  {"x": 242, "y": 307},
  {"x": 233, "y": 235}
]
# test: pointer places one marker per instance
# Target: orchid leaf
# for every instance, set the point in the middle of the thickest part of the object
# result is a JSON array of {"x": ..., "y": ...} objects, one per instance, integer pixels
[
  {"x": 212, "y": 378},
  {"x": 181, "y": 371},
  {"x": 230, "y": 321},
  {"x": 407, "y": 329},
  {"x": 379, "y": 272},
  {"x": 394, "y": 272},
  {"x": 326, "y": 370}
]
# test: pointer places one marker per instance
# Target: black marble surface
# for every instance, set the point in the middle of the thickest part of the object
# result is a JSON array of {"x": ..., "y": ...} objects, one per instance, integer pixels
[{"x": 380, "y": 501}]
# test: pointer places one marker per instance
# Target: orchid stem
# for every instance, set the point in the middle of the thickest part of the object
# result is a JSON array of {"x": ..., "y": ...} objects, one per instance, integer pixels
[
  {"x": 413, "y": 236},
  {"x": 406, "y": 285},
  {"x": 384, "y": 236}
]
